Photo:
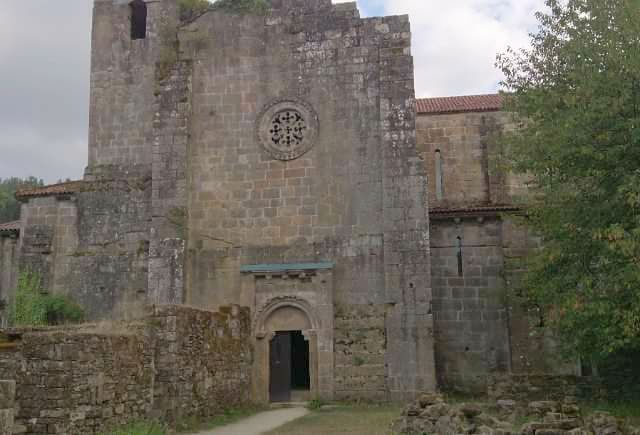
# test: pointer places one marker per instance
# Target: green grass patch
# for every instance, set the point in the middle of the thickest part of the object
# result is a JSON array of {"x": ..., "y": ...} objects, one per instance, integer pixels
[
  {"x": 344, "y": 419},
  {"x": 229, "y": 416},
  {"x": 628, "y": 410}
]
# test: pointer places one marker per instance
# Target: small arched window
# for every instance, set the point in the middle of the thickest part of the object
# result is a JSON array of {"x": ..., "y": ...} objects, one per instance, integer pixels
[
  {"x": 138, "y": 19},
  {"x": 439, "y": 186}
]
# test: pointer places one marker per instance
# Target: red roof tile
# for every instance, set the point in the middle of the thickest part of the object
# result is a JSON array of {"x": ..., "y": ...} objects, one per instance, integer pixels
[
  {"x": 468, "y": 103},
  {"x": 10, "y": 227},
  {"x": 54, "y": 189}
]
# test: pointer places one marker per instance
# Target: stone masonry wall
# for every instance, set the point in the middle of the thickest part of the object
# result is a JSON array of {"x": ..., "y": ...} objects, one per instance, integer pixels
[
  {"x": 7, "y": 404},
  {"x": 123, "y": 72},
  {"x": 178, "y": 362},
  {"x": 202, "y": 361},
  {"x": 360, "y": 348},
  {"x": 469, "y": 308},
  {"x": 76, "y": 382},
  {"x": 466, "y": 142},
  {"x": 93, "y": 244},
  {"x": 357, "y": 198},
  {"x": 169, "y": 185},
  {"x": 8, "y": 265}
]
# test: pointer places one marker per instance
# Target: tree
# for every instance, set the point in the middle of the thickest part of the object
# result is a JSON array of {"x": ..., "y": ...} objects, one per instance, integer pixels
[
  {"x": 576, "y": 95},
  {"x": 9, "y": 206}
]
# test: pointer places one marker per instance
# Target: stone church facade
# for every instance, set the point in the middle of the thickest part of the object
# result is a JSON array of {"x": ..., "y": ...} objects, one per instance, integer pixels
[{"x": 282, "y": 163}]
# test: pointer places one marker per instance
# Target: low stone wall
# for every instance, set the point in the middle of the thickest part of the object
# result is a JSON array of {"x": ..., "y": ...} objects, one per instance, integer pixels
[
  {"x": 177, "y": 362},
  {"x": 202, "y": 361},
  {"x": 528, "y": 387},
  {"x": 7, "y": 404},
  {"x": 81, "y": 382}
]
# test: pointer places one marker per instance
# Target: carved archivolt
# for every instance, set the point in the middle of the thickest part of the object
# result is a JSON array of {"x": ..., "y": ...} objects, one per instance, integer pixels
[{"x": 277, "y": 303}]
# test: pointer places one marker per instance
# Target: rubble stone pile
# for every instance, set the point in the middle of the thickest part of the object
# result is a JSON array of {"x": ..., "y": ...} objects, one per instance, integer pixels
[{"x": 431, "y": 414}]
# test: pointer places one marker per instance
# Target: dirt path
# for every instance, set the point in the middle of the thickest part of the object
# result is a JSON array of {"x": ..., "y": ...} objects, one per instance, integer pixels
[{"x": 260, "y": 423}]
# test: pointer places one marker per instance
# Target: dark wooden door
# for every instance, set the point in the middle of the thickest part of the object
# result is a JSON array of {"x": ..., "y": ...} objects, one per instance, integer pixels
[{"x": 280, "y": 368}]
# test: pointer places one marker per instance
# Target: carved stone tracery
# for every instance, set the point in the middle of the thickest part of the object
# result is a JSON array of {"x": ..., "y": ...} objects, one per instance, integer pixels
[{"x": 287, "y": 128}]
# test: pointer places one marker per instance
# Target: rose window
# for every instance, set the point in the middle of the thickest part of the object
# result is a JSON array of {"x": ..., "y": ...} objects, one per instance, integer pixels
[{"x": 288, "y": 129}]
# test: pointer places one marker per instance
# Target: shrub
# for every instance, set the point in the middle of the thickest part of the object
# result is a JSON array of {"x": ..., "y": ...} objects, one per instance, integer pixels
[
  {"x": 33, "y": 307},
  {"x": 242, "y": 6},
  {"x": 191, "y": 8}
]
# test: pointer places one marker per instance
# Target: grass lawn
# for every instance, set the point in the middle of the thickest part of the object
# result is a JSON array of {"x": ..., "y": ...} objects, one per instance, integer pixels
[
  {"x": 343, "y": 419},
  {"x": 230, "y": 416}
]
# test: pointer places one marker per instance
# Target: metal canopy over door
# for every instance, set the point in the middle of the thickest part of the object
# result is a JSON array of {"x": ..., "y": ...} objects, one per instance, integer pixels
[{"x": 280, "y": 367}]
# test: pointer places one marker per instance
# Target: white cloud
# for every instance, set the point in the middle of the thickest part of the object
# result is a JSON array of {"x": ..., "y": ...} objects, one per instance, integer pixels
[
  {"x": 455, "y": 42},
  {"x": 44, "y": 62}
]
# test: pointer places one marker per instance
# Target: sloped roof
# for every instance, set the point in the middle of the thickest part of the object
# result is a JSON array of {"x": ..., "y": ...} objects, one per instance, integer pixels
[
  {"x": 51, "y": 190},
  {"x": 10, "y": 227},
  {"x": 466, "y": 103}
]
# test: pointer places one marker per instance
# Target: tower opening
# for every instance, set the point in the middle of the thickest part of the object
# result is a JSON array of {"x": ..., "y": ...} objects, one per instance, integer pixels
[{"x": 138, "y": 19}]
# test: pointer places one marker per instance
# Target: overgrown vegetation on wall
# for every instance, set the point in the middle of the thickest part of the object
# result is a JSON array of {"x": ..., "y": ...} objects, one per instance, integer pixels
[
  {"x": 242, "y": 6},
  {"x": 190, "y": 9},
  {"x": 33, "y": 307}
]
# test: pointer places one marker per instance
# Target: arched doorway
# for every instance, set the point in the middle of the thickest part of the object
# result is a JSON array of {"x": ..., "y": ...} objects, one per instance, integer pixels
[
  {"x": 286, "y": 353},
  {"x": 289, "y": 374}
]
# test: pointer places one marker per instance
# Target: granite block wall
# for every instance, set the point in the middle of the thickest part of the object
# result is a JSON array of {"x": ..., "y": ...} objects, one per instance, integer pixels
[
  {"x": 360, "y": 348},
  {"x": 356, "y": 197},
  {"x": 469, "y": 304},
  {"x": 8, "y": 265},
  {"x": 123, "y": 72},
  {"x": 202, "y": 361},
  {"x": 92, "y": 244},
  {"x": 468, "y": 151},
  {"x": 177, "y": 362},
  {"x": 77, "y": 382},
  {"x": 7, "y": 404}
]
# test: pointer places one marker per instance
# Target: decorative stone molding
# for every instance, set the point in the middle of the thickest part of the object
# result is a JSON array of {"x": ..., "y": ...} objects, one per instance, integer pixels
[
  {"x": 274, "y": 304},
  {"x": 287, "y": 128}
]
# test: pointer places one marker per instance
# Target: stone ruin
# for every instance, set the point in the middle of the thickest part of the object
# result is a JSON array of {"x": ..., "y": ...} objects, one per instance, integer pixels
[{"x": 431, "y": 415}]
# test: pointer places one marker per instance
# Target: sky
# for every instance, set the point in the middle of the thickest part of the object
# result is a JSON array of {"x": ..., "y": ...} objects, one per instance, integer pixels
[{"x": 44, "y": 68}]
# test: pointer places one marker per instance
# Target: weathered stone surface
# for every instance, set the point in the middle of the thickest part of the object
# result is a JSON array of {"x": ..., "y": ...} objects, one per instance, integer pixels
[
  {"x": 179, "y": 362},
  {"x": 468, "y": 418}
]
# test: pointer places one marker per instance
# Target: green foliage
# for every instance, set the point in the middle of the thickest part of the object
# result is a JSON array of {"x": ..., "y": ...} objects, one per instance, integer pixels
[
  {"x": 257, "y": 7},
  {"x": 30, "y": 306},
  {"x": 189, "y": 9},
  {"x": 33, "y": 307},
  {"x": 63, "y": 310},
  {"x": 138, "y": 428},
  {"x": 576, "y": 95},
  {"x": 315, "y": 404},
  {"x": 9, "y": 206},
  {"x": 619, "y": 374}
]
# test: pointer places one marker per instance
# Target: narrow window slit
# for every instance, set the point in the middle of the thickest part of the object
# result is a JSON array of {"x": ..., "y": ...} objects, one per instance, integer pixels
[
  {"x": 439, "y": 187},
  {"x": 138, "y": 19},
  {"x": 459, "y": 247}
]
